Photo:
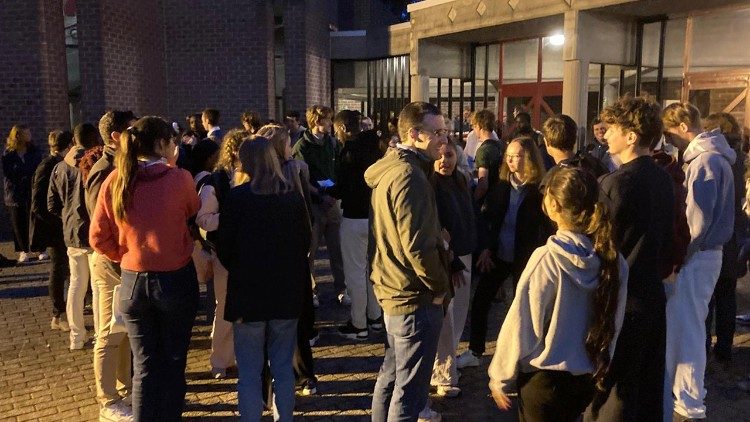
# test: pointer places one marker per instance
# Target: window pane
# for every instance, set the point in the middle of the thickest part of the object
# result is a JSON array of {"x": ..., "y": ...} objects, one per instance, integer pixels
[
  {"x": 717, "y": 41},
  {"x": 552, "y": 62},
  {"x": 520, "y": 61}
]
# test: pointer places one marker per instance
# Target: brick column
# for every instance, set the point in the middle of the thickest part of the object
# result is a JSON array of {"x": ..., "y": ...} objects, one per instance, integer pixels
[
  {"x": 307, "y": 54},
  {"x": 220, "y": 54},
  {"x": 122, "y": 58},
  {"x": 34, "y": 88}
]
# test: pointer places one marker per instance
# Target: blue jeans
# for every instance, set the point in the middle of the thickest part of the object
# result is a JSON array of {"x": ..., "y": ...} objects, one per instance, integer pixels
[
  {"x": 279, "y": 338},
  {"x": 159, "y": 310},
  {"x": 404, "y": 383}
]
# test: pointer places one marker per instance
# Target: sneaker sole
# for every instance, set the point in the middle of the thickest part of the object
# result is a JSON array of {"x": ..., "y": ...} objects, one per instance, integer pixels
[{"x": 355, "y": 336}]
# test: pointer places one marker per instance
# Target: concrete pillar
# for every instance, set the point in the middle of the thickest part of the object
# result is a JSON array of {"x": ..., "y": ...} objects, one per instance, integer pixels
[
  {"x": 420, "y": 88},
  {"x": 575, "y": 74}
]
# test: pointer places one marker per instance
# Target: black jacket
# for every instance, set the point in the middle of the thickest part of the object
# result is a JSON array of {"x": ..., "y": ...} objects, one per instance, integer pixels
[
  {"x": 263, "y": 243},
  {"x": 18, "y": 174},
  {"x": 356, "y": 156},
  {"x": 531, "y": 223},
  {"x": 45, "y": 228},
  {"x": 65, "y": 199},
  {"x": 101, "y": 169}
]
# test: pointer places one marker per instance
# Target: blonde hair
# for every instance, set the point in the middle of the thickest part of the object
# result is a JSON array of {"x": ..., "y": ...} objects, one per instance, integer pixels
[
  {"x": 14, "y": 142},
  {"x": 278, "y": 136},
  {"x": 317, "y": 112},
  {"x": 230, "y": 145},
  {"x": 533, "y": 168},
  {"x": 139, "y": 140},
  {"x": 677, "y": 113},
  {"x": 259, "y": 161}
]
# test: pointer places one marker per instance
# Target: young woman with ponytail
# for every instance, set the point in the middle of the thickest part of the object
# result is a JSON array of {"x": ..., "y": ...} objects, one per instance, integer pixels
[
  {"x": 140, "y": 220},
  {"x": 560, "y": 332}
]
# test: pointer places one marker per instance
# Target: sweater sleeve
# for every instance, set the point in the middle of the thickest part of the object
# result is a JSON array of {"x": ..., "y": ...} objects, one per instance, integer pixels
[
  {"x": 418, "y": 230},
  {"x": 208, "y": 214},
  {"x": 103, "y": 232},
  {"x": 524, "y": 326}
]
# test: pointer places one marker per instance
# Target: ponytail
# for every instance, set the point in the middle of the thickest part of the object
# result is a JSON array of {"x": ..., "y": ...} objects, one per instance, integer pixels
[
  {"x": 139, "y": 140},
  {"x": 602, "y": 330}
]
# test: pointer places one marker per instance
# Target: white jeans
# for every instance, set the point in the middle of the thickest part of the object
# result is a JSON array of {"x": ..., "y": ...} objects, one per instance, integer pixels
[
  {"x": 687, "y": 309},
  {"x": 444, "y": 371},
  {"x": 354, "y": 234},
  {"x": 78, "y": 259}
]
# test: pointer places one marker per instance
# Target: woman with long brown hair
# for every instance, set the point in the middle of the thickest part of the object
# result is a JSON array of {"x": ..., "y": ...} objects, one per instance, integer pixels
[
  {"x": 141, "y": 220},
  {"x": 559, "y": 335},
  {"x": 510, "y": 227}
]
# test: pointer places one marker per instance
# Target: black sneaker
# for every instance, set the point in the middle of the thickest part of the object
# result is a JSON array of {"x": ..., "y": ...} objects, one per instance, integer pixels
[
  {"x": 352, "y": 332},
  {"x": 375, "y": 324}
]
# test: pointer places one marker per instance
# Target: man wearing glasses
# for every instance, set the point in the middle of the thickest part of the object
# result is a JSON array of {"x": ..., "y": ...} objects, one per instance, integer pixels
[{"x": 410, "y": 281}]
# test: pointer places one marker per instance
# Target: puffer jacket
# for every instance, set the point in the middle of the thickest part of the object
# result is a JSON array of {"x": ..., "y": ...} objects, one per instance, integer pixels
[
  {"x": 17, "y": 175},
  {"x": 65, "y": 199}
]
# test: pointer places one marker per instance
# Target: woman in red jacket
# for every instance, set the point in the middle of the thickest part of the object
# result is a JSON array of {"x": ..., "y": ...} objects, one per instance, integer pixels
[{"x": 140, "y": 220}]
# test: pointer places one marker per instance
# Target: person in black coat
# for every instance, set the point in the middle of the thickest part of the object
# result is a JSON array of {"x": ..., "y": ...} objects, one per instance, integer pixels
[
  {"x": 511, "y": 227},
  {"x": 19, "y": 162},
  {"x": 45, "y": 228},
  {"x": 264, "y": 236}
]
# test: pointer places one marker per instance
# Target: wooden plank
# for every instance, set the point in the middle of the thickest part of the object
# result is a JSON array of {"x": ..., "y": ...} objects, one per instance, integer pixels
[{"x": 735, "y": 102}]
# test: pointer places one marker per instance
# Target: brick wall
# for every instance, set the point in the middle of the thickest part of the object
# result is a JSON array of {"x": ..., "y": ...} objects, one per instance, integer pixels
[
  {"x": 219, "y": 54},
  {"x": 122, "y": 57},
  {"x": 34, "y": 88},
  {"x": 307, "y": 53}
]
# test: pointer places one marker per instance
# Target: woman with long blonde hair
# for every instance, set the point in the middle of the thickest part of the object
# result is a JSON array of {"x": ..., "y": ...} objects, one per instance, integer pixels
[
  {"x": 19, "y": 161},
  {"x": 510, "y": 227},
  {"x": 268, "y": 279},
  {"x": 141, "y": 221}
]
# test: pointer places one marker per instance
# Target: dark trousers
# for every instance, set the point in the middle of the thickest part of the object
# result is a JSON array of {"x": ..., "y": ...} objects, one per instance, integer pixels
[
  {"x": 159, "y": 310},
  {"x": 553, "y": 396},
  {"x": 723, "y": 307},
  {"x": 304, "y": 368},
  {"x": 636, "y": 376},
  {"x": 19, "y": 219},
  {"x": 487, "y": 287},
  {"x": 59, "y": 272}
]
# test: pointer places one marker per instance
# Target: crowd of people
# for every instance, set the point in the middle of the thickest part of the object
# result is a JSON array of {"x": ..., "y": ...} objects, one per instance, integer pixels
[{"x": 620, "y": 255}]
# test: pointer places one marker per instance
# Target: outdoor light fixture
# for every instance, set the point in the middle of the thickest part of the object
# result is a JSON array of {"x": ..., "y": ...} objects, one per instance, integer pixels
[{"x": 557, "y": 40}]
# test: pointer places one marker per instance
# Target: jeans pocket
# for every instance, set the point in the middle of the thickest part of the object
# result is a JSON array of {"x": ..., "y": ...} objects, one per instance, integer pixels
[{"x": 128, "y": 281}]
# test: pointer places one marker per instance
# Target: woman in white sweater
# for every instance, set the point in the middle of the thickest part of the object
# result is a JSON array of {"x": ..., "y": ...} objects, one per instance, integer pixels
[{"x": 560, "y": 332}]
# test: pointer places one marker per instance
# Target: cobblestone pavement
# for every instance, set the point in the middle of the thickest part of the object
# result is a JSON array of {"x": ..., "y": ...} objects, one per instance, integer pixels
[{"x": 40, "y": 379}]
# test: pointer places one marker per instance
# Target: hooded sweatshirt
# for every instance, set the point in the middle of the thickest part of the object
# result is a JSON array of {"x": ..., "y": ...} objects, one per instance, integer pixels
[
  {"x": 710, "y": 196},
  {"x": 155, "y": 236},
  {"x": 547, "y": 324},
  {"x": 405, "y": 259}
]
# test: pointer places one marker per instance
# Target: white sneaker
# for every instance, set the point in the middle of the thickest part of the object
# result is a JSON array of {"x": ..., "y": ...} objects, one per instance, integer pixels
[
  {"x": 429, "y": 415},
  {"x": 344, "y": 299},
  {"x": 23, "y": 258},
  {"x": 59, "y": 323},
  {"x": 448, "y": 391},
  {"x": 316, "y": 301},
  {"x": 43, "y": 256},
  {"x": 116, "y": 412},
  {"x": 467, "y": 359}
]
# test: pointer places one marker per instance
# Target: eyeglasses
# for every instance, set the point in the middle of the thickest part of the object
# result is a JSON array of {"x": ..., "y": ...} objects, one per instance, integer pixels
[
  {"x": 437, "y": 132},
  {"x": 509, "y": 157}
]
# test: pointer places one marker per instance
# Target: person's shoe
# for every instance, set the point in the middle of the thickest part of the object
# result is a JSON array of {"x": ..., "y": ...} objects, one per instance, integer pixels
[
  {"x": 448, "y": 391},
  {"x": 116, "y": 412},
  {"x": 127, "y": 400},
  {"x": 5, "y": 262},
  {"x": 352, "y": 332},
  {"x": 429, "y": 415},
  {"x": 676, "y": 417},
  {"x": 23, "y": 258},
  {"x": 316, "y": 301},
  {"x": 59, "y": 323},
  {"x": 344, "y": 299},
  {"x": 314, "y": 339},
  {"x": 43, "y": 256},
  {"x": 467, "y": 359},
  {"x": 218, "y": 373},
  {"x": 309, "y": 388},
  {"x": 375, "y": 324}
]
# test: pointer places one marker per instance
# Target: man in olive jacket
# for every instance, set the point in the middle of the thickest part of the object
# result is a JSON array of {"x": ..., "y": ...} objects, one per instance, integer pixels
[{"x": 409, "y": 278}]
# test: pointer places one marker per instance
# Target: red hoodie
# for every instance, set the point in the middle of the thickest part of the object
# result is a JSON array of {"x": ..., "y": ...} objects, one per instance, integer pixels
[{"x": 156, "y": 236}]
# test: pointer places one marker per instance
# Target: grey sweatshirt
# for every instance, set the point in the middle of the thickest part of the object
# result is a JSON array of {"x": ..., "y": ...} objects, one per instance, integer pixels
[
  {"x": 547, "y": 324},
  {"x": 710, "y": 186}
]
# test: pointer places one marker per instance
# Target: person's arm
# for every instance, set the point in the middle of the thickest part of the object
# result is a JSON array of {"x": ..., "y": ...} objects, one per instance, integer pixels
[
  {"x": 208, "y": 214},
  {"x": 482, "y": 183},
  {"x": 525, "y": 323},
  {"x": 92, "y": 186},
  {"x": 39, "y": 193},
  {"x": 54, "y": 198},
  {"x": 701, "y": 197},
  {"x": 103, "y": 232},
  {"x": 417, "y": 225}
]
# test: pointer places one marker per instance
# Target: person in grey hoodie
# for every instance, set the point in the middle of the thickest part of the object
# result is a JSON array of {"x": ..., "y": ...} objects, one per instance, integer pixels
[
  {"x": 560, "y": 332},
  {"x": 710, "y": 216}
]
